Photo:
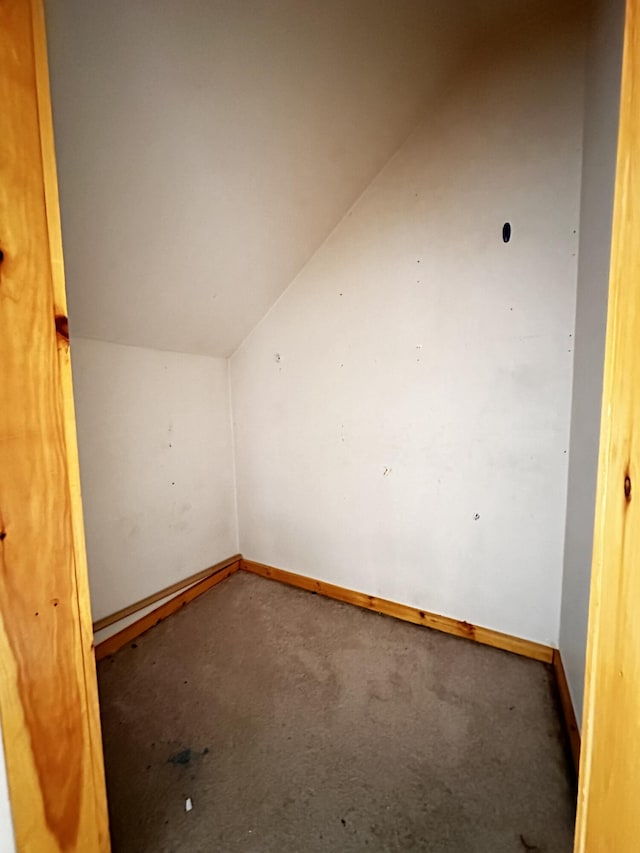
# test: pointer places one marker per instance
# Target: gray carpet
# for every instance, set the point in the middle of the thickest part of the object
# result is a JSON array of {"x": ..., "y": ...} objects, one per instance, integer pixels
[{"x": 297, "y": 724}]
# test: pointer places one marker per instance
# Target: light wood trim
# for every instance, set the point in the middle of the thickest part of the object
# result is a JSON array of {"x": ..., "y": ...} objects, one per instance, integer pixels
[
  {"x": 106, "y": 621},
  {"x": 48, "y": 692},
  {"x": 117, "y": 641},
  {"x": 608, "y": 819},
  {"x": 527, "y": 648},
  {"x": 96, "y": 783},
  {"x": 566, "y": 706}
]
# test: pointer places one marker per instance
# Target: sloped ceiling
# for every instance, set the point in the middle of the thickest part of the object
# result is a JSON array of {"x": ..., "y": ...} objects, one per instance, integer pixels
[{"x": 206, "y": 148}]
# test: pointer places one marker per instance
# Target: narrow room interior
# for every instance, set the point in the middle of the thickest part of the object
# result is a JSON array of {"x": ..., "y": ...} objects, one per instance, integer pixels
[{"x": 337, "y": 280}]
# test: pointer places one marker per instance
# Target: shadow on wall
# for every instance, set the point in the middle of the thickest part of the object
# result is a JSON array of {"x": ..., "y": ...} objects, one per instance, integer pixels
[
  {"x": 217, "y": 144},
  {"x": 500, "y": 34}
]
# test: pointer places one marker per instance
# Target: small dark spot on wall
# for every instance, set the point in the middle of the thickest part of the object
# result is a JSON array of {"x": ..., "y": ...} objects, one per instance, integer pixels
[
  {"x": 339, "y": 294},
  {"x": 506, "y": 232},
  {"x": 55, "y": 601},
  {"x": 627, "y": 487},
  {"x": 37, "y": 613},
  {"x": 134, "y": 645},
  {"x": 3, "y": 535},
  {"x": 476, "y": 517},
  {"x": 1, "y": 256}
]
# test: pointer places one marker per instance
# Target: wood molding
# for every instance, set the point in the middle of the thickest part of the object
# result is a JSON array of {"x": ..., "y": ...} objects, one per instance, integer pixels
[
  {"x": 406, "y": 613},
  {"x": 117, "y": 641},
  {"x": 48, "y": 690},
  {"x": 106, "y": 621},
  {"x": 568, "y": 711},
  {"x": 608, "y": 817}
]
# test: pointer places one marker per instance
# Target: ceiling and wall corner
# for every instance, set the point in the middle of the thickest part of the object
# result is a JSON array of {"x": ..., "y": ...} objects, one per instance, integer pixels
[{"x": 207, "y": 148}]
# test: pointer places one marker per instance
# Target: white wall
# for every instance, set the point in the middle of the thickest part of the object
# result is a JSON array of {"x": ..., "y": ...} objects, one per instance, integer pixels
[
  {"x": 7, "y": 844},
  {"x": 402, "y": 413},
  {"x": 598, "y": 174},
  {"x": 156, "y": 466}
]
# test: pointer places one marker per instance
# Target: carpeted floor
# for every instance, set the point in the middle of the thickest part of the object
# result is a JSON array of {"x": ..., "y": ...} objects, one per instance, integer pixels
[{"x": 298, "y": 724}]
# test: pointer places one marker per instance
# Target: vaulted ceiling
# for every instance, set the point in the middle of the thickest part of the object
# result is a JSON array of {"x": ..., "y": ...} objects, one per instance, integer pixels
[{"x": 206, "y": 148}]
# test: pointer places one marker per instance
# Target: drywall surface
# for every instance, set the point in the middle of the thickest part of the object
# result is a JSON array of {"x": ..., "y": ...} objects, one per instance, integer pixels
[
  {"x": 206, "y": 148},
  {"x": 215, "y": 144},
  {"x": 156, "y": 467},
  {"x": 402, "y": 413},
  {"x": 7, "y": 844},
  {"x": 602, "y": 97}
]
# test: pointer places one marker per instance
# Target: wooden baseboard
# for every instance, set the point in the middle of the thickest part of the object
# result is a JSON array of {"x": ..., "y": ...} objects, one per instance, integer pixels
[
  {"x": 215, "y": 575},
  {"x": 568, "y": 711},
  {"x": 506, "y": 642},
  {"x": 130, "y": 609}
]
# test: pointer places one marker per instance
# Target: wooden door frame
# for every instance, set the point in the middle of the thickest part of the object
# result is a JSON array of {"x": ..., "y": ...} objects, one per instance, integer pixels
[
  {"x": 48, "y": 688},
  {"x": 608, "y": 817}
]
